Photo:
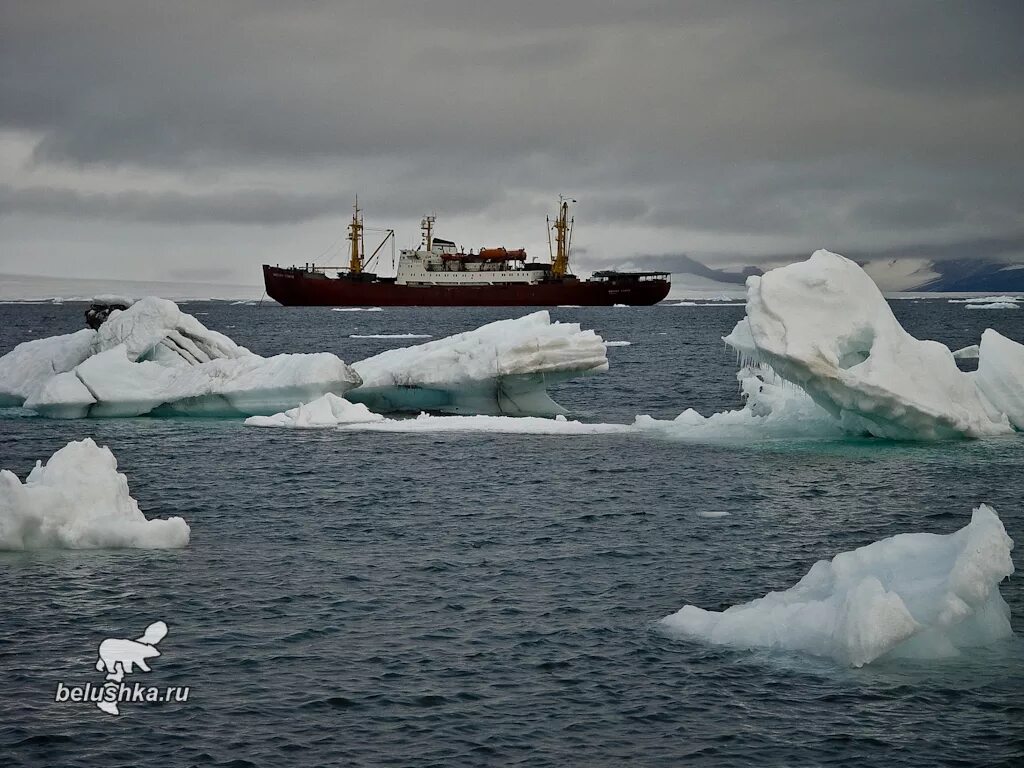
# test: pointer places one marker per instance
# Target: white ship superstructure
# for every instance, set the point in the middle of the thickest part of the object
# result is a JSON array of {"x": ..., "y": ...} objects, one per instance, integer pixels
[{"x": 440, "y": 262}]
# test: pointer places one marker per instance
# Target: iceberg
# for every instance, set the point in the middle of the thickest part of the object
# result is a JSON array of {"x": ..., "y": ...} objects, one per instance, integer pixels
[
  {"x": 823, "y": 325},
  {"x": 916, "y": 595},
  {"x": 327, "y": 411},
  {"x": 152, "y": 358},
  {"x": 1000, "y": 375},
  {"x": 78, "y": 500},
  {"x": 502, "y": 368}
]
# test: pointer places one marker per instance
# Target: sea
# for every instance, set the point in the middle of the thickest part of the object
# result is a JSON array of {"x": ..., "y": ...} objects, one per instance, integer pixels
[{"x": 380, "y": 599}]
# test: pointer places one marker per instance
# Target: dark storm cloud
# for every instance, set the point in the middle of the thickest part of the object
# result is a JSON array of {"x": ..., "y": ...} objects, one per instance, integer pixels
[{"x": 870, "y": 122}]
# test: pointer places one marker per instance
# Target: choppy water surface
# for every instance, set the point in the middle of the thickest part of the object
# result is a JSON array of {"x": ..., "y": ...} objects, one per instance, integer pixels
[{"x": 418, "y": 599}]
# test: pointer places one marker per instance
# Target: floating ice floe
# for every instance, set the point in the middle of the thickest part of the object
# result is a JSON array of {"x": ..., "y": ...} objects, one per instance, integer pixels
[
  {"x": 502, "y": 368},
  {"x": 78, "y": 500},
  {"x": 823, "y": 325},
  {"x": 389, "y": 336},
  {"x": 988, "y": 300},
  {"x": 327, "y": 411},
  {"x": 154, "y": 358},
  {"x": 356, "y": 309},
  {"x": 618, "y": 343},
  {"x": 995, "y": 305},
  {"x": 916, "y": 595},
  {"x": 524, "y": 425}
]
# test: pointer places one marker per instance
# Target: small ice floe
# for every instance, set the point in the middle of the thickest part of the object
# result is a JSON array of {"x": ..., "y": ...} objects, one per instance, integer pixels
[
  {"x": 523, "y": 425},
  {"x": 356, "y": 309},
  {"x": 327, "y": 411},
  {"x": 618, "y": 343},
  {"x": 967, "y": 353},
  {"x": 914, "y": 595},
  {"x": 389, "y": 336},
  {"x": 995, "y": 305},
  {"x": 712, "y": 514},
  {"x": 78, "y": 500},
  {"x": 988, "y": 300}
]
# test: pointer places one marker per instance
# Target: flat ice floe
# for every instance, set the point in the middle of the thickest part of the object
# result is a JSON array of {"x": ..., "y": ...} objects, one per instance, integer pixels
[
  {"x": 389, "y": 336},
  {"x": 78, "y": 500},
  {"x": 823, "y": 325},
  {"x": 524, "y": 425},
  {"x": 914, "y": 595},
  {"x": 995, "y": 305},
  {"x": 502, "y": 368},
  {"x": 988, "y": 300}
]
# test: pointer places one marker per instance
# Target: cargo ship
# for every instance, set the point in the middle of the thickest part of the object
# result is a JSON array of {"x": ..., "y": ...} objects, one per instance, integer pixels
[{"x": 439, "y": 274}]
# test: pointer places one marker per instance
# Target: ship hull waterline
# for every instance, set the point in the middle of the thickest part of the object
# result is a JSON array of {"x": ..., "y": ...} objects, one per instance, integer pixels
[{"x": 300, "y": 288}]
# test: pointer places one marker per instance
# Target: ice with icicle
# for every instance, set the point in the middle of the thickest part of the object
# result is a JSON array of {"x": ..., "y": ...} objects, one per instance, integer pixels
[
  {"x": 914, "y": 595},
  {"x": 154, "y": 358},
  {"x": 502, "y": 368},
  {"x": 78, "y": 500},
  {"x": 823, "y": 325}
]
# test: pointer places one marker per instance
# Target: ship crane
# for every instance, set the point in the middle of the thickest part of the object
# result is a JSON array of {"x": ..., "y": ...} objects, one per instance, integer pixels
[
  {"x": 357, "y": 243},
  {"x": 563, "y": 237}
]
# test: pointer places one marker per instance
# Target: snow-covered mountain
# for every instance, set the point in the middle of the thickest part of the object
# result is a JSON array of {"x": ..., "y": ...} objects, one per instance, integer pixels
[{"x": 895, "y": 274}]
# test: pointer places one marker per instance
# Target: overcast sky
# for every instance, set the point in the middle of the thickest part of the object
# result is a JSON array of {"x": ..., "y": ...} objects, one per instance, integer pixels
[{"x": 166, "y": 139}]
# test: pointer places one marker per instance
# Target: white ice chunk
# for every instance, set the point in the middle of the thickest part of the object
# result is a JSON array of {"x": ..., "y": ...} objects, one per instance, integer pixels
[
  {"x": 524, "y": 425},
  {"x": 245, "y": 385},
  {"x": 995, "y": 305},
  {"x": 79, "y": 500},
  {"x": 918, "y": 595},
  {"x": 327, "y": 411},
  {"x": 772, "y": 409},
  {"x": 502, "y": 368},
  {"x": 27, "y": 367},
  {"x": 389, "y": 336},
  {"x": 823, "y": 325},
  {"x": 967, "y": 353},
  {"x": 1000, "y": 375},
  {"x": 157, "y": 329},
  {"x": 987, "y": 300}
]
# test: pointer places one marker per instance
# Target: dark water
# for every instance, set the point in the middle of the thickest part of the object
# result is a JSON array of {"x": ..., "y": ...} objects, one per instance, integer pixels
[{"x": 418, "y": 599}]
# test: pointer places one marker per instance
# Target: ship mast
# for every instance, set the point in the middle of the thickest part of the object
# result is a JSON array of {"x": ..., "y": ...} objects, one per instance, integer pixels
[
  {"x": 427, "y": 225},
  {"x": 355, "y": 236},
  {"x": 563, "y": 238}
]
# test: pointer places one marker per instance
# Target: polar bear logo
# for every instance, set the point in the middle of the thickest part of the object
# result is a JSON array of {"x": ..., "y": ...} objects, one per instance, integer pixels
[{"x": 120, "y": 657}]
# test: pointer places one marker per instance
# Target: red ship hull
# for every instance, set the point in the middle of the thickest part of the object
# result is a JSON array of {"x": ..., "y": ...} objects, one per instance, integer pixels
[{"x": 297, "y": 287}]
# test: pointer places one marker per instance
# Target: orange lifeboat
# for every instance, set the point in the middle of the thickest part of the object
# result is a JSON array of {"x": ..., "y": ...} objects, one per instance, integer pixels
[{"x": 500, "y": 254}]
